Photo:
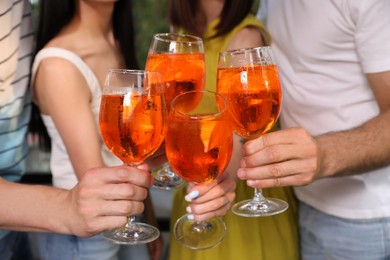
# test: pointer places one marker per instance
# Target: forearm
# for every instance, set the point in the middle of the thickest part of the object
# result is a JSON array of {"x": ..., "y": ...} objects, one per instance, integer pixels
[
  {"x": 32, "y": 208},
  {"x": 357, "y": 150}
]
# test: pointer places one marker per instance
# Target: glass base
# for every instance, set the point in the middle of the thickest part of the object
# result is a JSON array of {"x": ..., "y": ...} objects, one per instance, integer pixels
[
  {"x": 134, "y": 234},
  {"x": 165, "y": 178},
  {"x": 199, "y": 235},
  {"x": 252, "y": 208}
]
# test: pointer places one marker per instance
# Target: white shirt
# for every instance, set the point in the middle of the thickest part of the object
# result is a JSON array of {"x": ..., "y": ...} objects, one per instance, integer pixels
[{"x": 323, "y": 49}]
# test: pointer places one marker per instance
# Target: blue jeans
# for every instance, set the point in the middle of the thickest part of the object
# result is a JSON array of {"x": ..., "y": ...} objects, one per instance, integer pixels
[
  {"x": 326, "y": 237},
  {"x": 67, "y": 247},
  {"x": 15, "y": 246}
]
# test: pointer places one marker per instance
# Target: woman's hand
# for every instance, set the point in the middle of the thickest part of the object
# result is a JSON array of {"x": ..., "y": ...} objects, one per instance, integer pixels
[{"x": 208, "y": 200}]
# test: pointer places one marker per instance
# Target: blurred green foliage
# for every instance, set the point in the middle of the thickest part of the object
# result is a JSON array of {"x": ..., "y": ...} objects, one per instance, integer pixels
[{"x": 150, "y": 17}]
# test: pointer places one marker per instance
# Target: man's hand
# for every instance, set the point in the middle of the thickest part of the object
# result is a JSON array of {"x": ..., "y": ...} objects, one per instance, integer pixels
[{"x": 104, "y": 198}]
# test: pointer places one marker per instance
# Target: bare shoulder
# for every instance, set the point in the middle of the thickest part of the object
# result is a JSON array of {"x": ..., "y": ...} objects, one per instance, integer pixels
[
  {"x": 57, "y": 77},
  {"x": 58, "y": 70},
  {"x": 247, "y": 37}
]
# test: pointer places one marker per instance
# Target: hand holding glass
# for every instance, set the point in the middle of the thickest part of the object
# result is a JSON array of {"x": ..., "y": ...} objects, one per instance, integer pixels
[
  {"x": 132, "y": 117},
  {"x": 199, "y": 144},
  {"x": 250, "y": 81}
]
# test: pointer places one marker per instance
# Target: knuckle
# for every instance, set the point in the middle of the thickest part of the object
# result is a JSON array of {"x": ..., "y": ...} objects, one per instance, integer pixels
[
  {"x": 266, "y": 139},
  {"x": 219, "y": 190},
  {"x": 128, "y": 191},
  {"x": 300, "y": 132},
  {"x": 127, "y": 208},
  {"x": 82, "y": 194},
  {"x": 231, "y": 197},
  {"x": 88, "y": 173},
  {"x": 86, "y": 229},
  {"x": 135, "y": 208},
  {"x": 122, "y": 173},
  {"x": 275, "y": 171},
  {"x": 304, "y": 182},
  {"x": 306, "y": 179},
  {"x": 277, "y": 182},
  {"x": 141, "y": 193},
  {"x": 274, "y": 155},
  {"x": 217, "y": 203},
  {"x": 90, "y": 228}
]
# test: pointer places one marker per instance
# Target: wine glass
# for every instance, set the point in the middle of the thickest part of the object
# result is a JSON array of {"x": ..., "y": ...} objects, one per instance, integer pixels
[
  {"x": 199, "y": 144},
  {"x": 249, "y": 79},
  {"x": 132, "y": 124},
  {"x": 180, "y": 60}
]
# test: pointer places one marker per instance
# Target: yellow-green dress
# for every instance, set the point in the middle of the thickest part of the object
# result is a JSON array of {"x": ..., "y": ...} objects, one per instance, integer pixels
[{"x": 262, "y": 238}]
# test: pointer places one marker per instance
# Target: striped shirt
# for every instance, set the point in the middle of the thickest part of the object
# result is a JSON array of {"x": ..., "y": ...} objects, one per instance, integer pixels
[{"x": 16, "y": 42}]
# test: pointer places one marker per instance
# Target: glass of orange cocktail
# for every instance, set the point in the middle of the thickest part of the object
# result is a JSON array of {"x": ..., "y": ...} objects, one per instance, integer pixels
[
  {"x": 249, "y": 79},
  {"x": 180, "y": 60},
  {"x": 199, "y": 144},
  {"x": 132, "y": 122}
]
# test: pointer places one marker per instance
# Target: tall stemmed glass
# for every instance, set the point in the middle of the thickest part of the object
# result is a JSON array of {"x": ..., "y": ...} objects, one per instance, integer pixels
[
  {"x": 132, "y": 122},
  {"x": 199, "y": 143},
  {"x": 250, "y": 81},
  {"x": 180, "y": 60}
]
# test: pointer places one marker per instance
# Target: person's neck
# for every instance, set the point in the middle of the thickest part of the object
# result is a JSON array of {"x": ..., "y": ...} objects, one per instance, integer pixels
[
  {"x": 211, "y": 9},
  {"x": 92, "y": 20}
]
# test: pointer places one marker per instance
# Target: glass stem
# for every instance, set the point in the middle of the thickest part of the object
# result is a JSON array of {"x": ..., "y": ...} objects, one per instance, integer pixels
[
  {"x": 130, "y": 220},
  {"x": 201, "y": 226},
  {"x": 258, "y": 196}
]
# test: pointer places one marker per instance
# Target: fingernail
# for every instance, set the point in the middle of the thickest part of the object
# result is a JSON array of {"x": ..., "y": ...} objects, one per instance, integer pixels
[
  {"x": 189, "y": 209},
  {"x": 190, "y": 217},
  {"x": 192, "y": 195},
  {"x": 251, "y": 183}
]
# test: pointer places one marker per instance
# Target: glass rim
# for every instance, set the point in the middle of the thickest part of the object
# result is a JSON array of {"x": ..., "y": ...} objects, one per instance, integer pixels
[
  {"x": 243, "y": 50},
  {"x": 132, "y": 71},
  {"x": 165, "y": 37},
  {"x": 196, "y": 117}
]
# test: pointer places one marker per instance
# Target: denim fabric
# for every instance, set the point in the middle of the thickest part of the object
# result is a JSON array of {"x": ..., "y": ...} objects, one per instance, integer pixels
[
  {"x": 326, "y": 237},
  {"x": 67, "y": 247},
  {"x": 15, "y": 246}
]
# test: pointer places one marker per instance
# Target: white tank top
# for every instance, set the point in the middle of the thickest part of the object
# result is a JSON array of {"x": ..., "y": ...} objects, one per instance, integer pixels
[{"x": 61, "y": 167}]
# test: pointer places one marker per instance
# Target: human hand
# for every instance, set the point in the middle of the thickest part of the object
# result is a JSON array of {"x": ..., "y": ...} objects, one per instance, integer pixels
[
  {"x": 104, "y": 197},
  {"x": 213, "y": 199},
  {"x": 288, "y": 157}
]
